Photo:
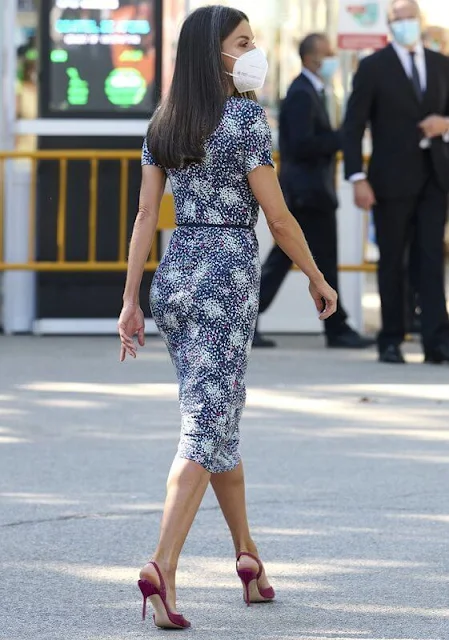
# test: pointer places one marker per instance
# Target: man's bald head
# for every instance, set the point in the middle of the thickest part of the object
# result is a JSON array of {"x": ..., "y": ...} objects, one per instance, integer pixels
[
  {"x": 403, "y": 10},
  {"x": 405, "y": 23}
]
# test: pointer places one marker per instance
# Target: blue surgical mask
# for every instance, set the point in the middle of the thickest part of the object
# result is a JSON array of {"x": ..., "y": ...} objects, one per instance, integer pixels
[
  {"x": 406, "y": 32},
  {"x": 328, "y": 68}
]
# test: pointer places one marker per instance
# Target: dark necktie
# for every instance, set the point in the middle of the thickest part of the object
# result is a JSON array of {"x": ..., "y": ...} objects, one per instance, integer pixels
[
  {"x": 415, "y": 76},
  {"x": 323, "y": 99}
]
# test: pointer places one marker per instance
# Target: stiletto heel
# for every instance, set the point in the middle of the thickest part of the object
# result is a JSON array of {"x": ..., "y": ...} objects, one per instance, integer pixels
[
  {"x": 144, "y": 608},
  {"x": 246, "y": 576},
  {"x": 250, "y": 580},
  {"x": 147, "y": 589},
  {"x": 163, "y": 617}
]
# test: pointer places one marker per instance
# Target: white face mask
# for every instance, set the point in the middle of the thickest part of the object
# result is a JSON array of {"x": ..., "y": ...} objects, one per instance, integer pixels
[{"x": 249, "y": 71}]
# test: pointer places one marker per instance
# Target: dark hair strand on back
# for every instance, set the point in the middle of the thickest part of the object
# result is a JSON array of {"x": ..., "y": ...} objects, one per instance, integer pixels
[{"x": 194, "y": 105}]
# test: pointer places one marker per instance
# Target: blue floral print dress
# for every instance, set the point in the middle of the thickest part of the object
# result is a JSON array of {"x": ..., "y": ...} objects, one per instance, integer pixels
[{"x": 204, "y": 296}]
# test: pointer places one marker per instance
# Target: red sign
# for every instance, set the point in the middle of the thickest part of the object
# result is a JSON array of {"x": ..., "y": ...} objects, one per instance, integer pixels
[
  {"x": 357, "y": 41},
  {"x": 362, "y": 25}
]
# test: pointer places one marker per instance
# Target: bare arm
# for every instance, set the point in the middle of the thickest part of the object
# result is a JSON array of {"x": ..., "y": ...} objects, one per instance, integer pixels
[
  {"x": 289, "y": 236},
  {"x": 151, "y": 192},
  {"x": 131, "y": 319}
]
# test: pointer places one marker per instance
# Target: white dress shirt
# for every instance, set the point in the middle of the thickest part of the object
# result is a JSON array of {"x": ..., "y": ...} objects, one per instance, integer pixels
[
  {"x": 406, "y": 61},
  {"x": 317, "y": 83},
  {"x": 420, "y": 62}
]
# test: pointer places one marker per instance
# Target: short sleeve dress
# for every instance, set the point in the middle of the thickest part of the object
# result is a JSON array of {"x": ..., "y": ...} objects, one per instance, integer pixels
[{"x": 204, "y": 296}]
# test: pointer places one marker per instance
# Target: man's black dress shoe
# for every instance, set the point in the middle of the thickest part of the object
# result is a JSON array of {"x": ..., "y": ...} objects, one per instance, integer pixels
[
  {"x": 260, "y": 341},
  {"x": 349, "y": 339},
  {"x": 438, "y": 355},
  {"x": 391, "y": 354}
]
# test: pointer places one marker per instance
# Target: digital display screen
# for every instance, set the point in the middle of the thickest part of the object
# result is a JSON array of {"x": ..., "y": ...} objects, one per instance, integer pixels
[{"x": 102, "y": 56}]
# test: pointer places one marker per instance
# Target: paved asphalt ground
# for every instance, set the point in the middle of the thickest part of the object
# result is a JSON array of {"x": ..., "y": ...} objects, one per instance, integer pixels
[{"x": 347, "y": 464}]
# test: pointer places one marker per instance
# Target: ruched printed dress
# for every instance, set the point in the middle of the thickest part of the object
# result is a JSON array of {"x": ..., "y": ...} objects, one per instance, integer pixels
[{"x": 204, "y": 295}]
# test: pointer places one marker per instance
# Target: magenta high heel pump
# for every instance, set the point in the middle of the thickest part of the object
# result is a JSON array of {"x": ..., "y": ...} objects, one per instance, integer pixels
[
  {"x": 163, "y": 617},
  {"x": 250, "y": 580}
]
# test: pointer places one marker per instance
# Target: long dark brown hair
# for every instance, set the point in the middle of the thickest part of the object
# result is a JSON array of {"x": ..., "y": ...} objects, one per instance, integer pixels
[{"x": 199, "y": 89}]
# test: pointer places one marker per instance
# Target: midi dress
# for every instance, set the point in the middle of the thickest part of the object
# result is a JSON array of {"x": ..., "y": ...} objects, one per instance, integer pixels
[{"x": 204, "y": 296}]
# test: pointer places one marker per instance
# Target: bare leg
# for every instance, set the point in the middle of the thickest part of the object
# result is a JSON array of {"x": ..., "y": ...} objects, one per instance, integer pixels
[
  {"x": 186, "y": 485},
  {"x": 229, "y": 488}
]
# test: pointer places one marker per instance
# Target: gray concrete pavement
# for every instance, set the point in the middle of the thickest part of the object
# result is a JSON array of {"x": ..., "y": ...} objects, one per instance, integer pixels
[{"x": 347, "y": 465}]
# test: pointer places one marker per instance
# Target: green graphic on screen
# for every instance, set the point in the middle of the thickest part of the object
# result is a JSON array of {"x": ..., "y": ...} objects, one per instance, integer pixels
[
  {"x": 131, "y": 56},
  {"x": 125, "y": 87},
  {"x": 59, "y": 55},
  {"x": 78, "y": 89},
  {"x": 104, "y": 57}
]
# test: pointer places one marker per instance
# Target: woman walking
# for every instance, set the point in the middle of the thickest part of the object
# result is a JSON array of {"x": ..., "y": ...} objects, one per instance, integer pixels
[{"x": 212, "y": 140}]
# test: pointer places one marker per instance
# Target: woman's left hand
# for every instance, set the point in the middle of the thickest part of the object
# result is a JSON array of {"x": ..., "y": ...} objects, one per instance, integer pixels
[
  {"x": 324, "y": 296},
  {"x": 131, "y": 321}
]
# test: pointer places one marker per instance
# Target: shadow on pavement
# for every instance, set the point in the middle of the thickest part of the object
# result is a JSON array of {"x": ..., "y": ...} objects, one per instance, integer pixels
[{"x": 347, "y": 471}]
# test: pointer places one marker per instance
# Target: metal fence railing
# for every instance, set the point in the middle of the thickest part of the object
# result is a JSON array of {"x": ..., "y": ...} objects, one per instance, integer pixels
[{"x": 91, "y": 263}]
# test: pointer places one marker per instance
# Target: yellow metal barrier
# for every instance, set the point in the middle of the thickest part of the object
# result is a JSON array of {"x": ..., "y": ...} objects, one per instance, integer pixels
[{"x": 166, "y": 217}]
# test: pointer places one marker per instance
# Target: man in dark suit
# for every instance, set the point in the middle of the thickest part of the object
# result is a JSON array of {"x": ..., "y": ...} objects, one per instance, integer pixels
[
  {"x": 403, "y": 92},
  {"x": 308, "y": 146}
]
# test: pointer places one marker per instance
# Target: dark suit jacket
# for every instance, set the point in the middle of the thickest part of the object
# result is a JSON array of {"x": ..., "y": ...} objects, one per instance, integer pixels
[
  {"x": 383, "y": 95},
  {"x": 308, "y": 146}
]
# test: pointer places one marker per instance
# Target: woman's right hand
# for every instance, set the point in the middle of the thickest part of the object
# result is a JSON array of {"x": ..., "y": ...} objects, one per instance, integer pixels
[{"x": 324, "y": 297}]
